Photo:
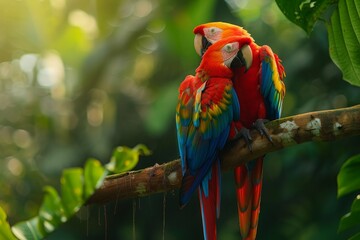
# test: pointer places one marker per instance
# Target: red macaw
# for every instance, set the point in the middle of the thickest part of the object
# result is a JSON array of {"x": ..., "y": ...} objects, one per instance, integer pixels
[
  {"x": 260, "y": 90},
  {"x": 207, "y": 105}
]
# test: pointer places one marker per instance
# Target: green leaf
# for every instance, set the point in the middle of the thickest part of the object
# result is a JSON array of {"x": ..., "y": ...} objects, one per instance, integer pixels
[
  {"x": 344, "y": 39},
  {"x": 304, "y": 13},
  {"x": 72, "y": 190},
  {"x": 5, "y": 231},
  {"x": 355, "y": 237},
  {"x": 51, "y": 212},
  {"x": 142, "y": 150},
  {"x": 343, "y": 30},
  {"x": 349, "y": 220},
  {"x": 356, "y": 204},
  {"x": 352, "y": 218},
  {"x": 349, "y": 178},
  {"x": 125, "y": 158},
  {"x": 349, "y": 181},
  {"x": 76, "y": 186},
  {"x": 29, "y": 230},
  {"x": 94, "y": 175}
]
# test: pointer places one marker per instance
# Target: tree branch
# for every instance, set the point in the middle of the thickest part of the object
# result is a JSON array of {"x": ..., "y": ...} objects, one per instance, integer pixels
[{"x": 314, "y": 126}]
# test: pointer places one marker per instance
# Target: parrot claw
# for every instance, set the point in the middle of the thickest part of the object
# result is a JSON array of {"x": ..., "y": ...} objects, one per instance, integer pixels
[
  {"x": 245, "y": 134},
  {"x": 259, "y": 125}
]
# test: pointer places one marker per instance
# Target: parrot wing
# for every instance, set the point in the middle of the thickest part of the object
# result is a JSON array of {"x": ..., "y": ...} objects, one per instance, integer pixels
[
  {"x": 272, "y": 86},
  {"x": 184, "y": 113},
  {"x": 204, "y": 113}
]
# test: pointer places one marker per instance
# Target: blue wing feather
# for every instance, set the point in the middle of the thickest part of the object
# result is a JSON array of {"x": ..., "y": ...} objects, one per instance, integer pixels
[
  {"x": 236, "y": 105},
  {"x": 206, "y": 135},
  {"x": 184, "y": 111}
]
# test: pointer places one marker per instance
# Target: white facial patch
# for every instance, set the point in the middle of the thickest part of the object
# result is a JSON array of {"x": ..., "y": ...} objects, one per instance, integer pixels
[
  {"x": 213, "y": 34},
  {"x": 229, "y": 51}
]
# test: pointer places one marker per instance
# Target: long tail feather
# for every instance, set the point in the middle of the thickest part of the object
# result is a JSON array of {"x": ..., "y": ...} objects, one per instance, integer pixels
[
  {"x": 190, "y": 183},
  {"x": 210, "y": 203},
  {"x": 257, "y": 175},
  {"x": 243, "y": 188},
  {"x": 248, "y": 181}
]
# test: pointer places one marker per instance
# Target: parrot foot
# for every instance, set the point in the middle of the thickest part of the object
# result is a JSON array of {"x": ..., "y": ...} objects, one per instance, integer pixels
[
  {"x": 259, "y": 125},
  {"x": 245, "y": 134}
]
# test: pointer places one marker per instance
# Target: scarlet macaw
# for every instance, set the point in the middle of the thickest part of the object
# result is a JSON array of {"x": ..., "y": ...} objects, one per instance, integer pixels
[
  {"x": 260, "y": 90},
  {"x": 207, "y": 105}
]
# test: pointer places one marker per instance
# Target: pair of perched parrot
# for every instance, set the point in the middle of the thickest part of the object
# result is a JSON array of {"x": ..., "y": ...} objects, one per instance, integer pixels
[{"x": 238, "y": 86}]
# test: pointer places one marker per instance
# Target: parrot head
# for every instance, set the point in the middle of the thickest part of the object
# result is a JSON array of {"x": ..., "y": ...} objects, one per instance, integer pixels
[
  {"x": 209, "y": 33},
  {"x": 228, "y": 53}
]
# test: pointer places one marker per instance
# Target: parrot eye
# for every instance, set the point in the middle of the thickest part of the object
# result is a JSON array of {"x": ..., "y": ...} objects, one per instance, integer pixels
[
  {"x": 228, "y": 47},
  {"x": 213, "y": 34}
]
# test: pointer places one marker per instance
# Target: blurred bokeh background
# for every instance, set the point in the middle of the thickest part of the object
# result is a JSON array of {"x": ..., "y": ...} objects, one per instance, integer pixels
[{"x": 78, "y": 78}]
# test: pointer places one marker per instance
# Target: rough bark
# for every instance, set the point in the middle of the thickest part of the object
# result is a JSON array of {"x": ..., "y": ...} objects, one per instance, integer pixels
[{"x": 314, "y": 126}]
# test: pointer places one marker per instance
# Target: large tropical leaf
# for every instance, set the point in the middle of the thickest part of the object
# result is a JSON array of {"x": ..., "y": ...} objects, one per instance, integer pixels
[
  {"x": 352, "y": 218},
  {"x": 343, "y": 29},
  {"x": 304, "y": 13},
  {"x": 349, "y": 181},
  {"x": 344, "y": 39},
  {"x": 349, "y": 176}
]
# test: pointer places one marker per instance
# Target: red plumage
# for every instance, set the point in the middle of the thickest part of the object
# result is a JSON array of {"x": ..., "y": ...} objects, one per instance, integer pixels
[
  {"x": 260, "y": 91},
  {"x": 207, "y": 105}
]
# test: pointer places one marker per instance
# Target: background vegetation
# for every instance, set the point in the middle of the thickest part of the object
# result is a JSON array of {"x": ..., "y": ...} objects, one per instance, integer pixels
[{"x": 78, "y": 78}]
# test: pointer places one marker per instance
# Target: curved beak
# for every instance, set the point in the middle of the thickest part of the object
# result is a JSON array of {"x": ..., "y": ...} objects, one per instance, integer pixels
[
  {"x": 243, "y": 58},
  {"x": 198, "y": 44},
  {"x": 247, "y": 56},
  {"x": 201, "y": 44}
]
